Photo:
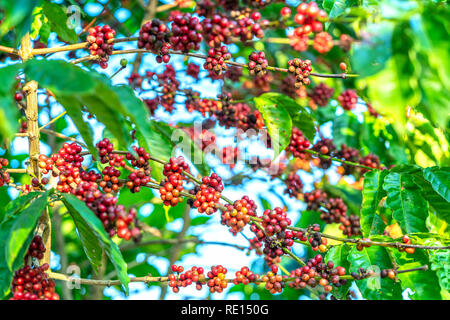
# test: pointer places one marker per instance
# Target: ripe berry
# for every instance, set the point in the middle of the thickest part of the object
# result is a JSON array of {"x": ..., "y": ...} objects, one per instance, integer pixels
[
  {"x": 186, "y": 32},
  {"x": 154, "y": 36},
  {"x": 323, "y": 42},
  {"x": 321, "y": 94},
  {"x": 285, "y": 12},
  {"x": 297, "y": 144},
  {"x": 257, "y": 64},
  {"x": 216, "y": 60},
  {"x": 348, "y": 99},
  {"x": 100, "y": 44},
  {"x": 301, "y": 69}
]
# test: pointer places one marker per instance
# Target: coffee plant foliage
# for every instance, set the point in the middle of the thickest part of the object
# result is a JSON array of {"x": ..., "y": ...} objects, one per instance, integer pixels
[{"x": 116, "y": 119}]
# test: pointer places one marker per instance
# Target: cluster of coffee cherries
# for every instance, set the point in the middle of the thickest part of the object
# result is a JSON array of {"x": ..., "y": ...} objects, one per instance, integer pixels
[
  {"x": 193, "y": 70},
  {"x": 36, "y": 248},
  {"x": 388, "y": 273},
  {"x": 313, "y": 237},
  {"x": 406, "y": 240},
  {"x": 362, "y": 273},
  {"x": 323, "y": 42},
  {"x": 273, "y": 234},
  {"x": 216, "y": 279},
  {"x": 348, "y": 154},
  {"x": 257, "y": 65},
  {"x": 245, "y": 276},
  {"x": 208, "y": 195},
  {"x": 294, "y": 185},
  {"x": 100, "y": 45},
  {"x": 301, "y": 69},
  {"x": 184, "y": 279},
  {"x": 247, "y": 27},
  {"x": 154, "y": 36},
  {"x": 317, "y": 272},
  {"x": 333, "y": 210},
  {"x": 115, "y": 218},
  {"x": 110, "y": 180},
  {"x": 217, "y": 30},
  {"x": 298, "y": 143},
  {"x": 348, "y": 99},
  {"x": 309, "y": 17},
  {"x": 325, "y": 147},
  {"x": 237, "y": 215},
  {"x": 31, "y": 282},
  {"x": 274, "y": 283},
  {"x": 4, "y": 176},
  {"x": 321, "y": 94},
  {"x": 186, "y": 32},
  {"x": 216, "y": 60},
  {"x": 172, "y": 185},
  {"x": 141, "y": 161}
]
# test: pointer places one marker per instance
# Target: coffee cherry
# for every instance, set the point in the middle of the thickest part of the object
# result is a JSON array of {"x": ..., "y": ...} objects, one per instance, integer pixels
[
  {"x": 297, "y": 144},
  {"x": 216, "y": 60},
  {"x": 285, "y": 12},
  {"x": 294, "y": 185},
  {"x": 193, "y": 276},
  {"x": 217, "y": 30},
  {"x": 216, "y": 279},
  {"x": 348, "y": 99},
  {"x": 321, "y": 94},
  {"x": 325, "y": 147},
  {"x": 323, "y": 42},
  {"x": 348, "y": 154},
  {"x": 343, "y": 66},
  {"x": 100, "y": 43},
  {"x": 301, "y": 69},
  {"x": 186, "y": 32},
  {"x": 257, "y": 64},
  {"x": 237, "y": 216},
  {"x": 193, "y": 70},
  {"x": 154, "y": 36}
]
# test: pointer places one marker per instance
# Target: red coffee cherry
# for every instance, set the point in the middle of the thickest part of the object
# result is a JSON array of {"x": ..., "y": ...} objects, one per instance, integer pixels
[
  {"x": 216, "y": 60},
  {"x": 297, "y": 144},
  {"x": 323, "y": 42},
  {"x": 301, "y": 69},
  {"x": 154, "y": 36},
  {"x": 348, "y": 99},
  {"x": 100, "y": 44},
  {"x": 257, "y": 64},
  {"x": 321, "y": 94}
]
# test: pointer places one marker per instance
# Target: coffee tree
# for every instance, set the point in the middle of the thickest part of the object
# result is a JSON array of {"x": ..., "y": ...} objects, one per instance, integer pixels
[{"x": 351, "y": 95}]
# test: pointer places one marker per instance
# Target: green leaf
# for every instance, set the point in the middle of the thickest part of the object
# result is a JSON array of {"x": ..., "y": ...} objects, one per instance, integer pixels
[
  {"x": 404, "y": 197},
  {"x": 438, "y": 203},
  {"x": 24, "y": 225},
  {"x": 439, "y": 179},
  {"x": 8, "y": 108},
  {"x": 338, "y": 254},
  {"x": 374, "y": 258},
  {"x": 7, "y": 225},
  {"x": 372, "y": 193},
  {"x": 277, "y": 121},
  {"x": 79, "y": 88},
  {"x": 58, "y": 22},
  {"x": 17, "y": 16},
  {"x": 94, "y": 238},
  {"x": 19, "y": 203},
  {"x": 73, "y": 108}
]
